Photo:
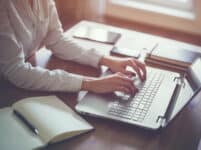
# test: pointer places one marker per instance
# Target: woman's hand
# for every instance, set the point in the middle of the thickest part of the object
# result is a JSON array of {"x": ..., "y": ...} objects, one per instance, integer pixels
[
  {"x": 117, "y": 64},
  {"x": 110, "y": 83},
  {"x": 120, "y": 81}
]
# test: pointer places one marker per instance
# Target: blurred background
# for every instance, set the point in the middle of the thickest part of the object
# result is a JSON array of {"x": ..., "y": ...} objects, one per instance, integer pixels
[{"x": 153, "y": 16}]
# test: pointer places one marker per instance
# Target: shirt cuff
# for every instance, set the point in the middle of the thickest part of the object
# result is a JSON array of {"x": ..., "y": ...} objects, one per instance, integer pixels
[
  {"x": 72, "y": 83},
  {"x": 94, "y": 57}
]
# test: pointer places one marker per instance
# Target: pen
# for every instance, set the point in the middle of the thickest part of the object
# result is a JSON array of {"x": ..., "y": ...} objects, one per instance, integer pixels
[
  {"x": 155, "y": 46},
  {"x": 145, "y": 53},
  {"x": 29, "y": 125}
]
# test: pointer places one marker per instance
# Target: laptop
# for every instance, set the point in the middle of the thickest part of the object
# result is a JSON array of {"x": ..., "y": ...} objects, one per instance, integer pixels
[{"x": 160, "y": 98}]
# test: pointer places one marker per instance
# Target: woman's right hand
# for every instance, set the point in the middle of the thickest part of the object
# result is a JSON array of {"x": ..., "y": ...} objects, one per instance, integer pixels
[{"x": 111, "y": 83}]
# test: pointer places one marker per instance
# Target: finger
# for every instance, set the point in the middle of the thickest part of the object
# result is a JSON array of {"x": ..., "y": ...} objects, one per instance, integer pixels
[
  {"x": 123, "y": 80},
  {"x": 120, "y": 74},
  {"x": 128, "y": 83},
  {"x": 123, "y": 89},
  {"x": 132, "y": 87},
  {"x": 122, "y": 77},
  {"x": 143, "y": 68},
  {"x": 137, "y": 69},
  {"x": 126, "y": 90},
  {"x": 129, "y": 73}
]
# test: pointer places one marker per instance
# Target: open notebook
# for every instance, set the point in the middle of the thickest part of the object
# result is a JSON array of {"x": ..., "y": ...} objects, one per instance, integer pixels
[{"x": 53, "y": 120}]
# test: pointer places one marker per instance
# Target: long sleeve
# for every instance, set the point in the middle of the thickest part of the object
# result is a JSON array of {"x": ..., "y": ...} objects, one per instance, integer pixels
[
  {"x": 24, "y": 75},
  {"x": 64, "y": 47},
  {"x": 14, "y": 68}
]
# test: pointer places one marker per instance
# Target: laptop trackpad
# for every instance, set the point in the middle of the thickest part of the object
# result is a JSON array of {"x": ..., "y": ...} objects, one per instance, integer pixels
[{"x": 95, "y": 104}]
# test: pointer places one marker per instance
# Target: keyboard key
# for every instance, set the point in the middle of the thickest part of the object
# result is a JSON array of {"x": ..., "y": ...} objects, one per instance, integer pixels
[{"x": 141, "y": 106}]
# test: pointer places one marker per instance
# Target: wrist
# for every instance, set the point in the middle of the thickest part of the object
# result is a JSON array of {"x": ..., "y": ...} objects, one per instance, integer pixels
[
  {"x": 106, "y": 61},
  {"x": 87, "y": 84}
]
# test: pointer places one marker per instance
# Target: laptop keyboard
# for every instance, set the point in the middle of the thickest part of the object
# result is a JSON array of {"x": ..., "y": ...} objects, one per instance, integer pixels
[{"x": 136, "y": 108}]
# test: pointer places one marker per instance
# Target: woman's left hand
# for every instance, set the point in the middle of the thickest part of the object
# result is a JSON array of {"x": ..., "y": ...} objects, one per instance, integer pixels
[{"x": 117, "y": 64}]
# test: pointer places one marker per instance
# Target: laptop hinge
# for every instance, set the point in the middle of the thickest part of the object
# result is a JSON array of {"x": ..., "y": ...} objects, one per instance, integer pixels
[{"x": 161, "y": 120}]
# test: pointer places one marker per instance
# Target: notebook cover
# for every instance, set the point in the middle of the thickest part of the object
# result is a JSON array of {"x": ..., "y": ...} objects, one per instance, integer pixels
[{"x": 173, "y": 54}]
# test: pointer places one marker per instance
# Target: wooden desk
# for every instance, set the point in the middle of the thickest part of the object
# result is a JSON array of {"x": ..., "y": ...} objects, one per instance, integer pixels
[{"x": 182, "y": 134}]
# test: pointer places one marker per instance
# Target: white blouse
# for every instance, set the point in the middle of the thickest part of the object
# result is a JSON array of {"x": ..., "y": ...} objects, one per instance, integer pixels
[{"x": 23, "y": 30}]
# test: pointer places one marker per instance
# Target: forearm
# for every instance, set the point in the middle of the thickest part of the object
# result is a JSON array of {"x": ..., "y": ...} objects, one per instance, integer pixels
[
  {"x": 108, "y": 84},
  {"x": 87, "y": 83},
  {"x": 36, "y": 78},
  {"x": 65, "y": 48}
]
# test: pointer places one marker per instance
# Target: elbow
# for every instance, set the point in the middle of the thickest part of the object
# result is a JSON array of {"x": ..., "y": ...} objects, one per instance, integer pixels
[
  {"x": 18, "y": 81},
  {"x": 17, "y": 77}
]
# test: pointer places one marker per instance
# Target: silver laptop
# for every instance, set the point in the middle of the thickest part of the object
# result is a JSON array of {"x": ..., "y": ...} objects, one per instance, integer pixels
[{"x": 160, "y": 98}]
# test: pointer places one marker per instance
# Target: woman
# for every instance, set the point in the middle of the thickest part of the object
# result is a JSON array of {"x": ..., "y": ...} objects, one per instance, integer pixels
[{"x": 26, "y": 25}]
